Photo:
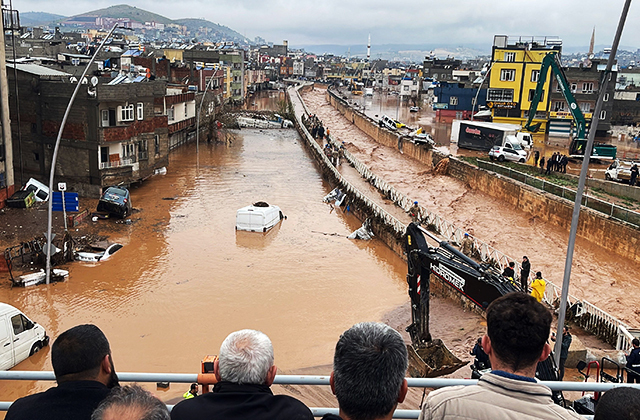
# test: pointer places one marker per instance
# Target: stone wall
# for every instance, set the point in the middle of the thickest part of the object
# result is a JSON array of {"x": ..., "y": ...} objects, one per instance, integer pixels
[{"x": 595, "y": 227}]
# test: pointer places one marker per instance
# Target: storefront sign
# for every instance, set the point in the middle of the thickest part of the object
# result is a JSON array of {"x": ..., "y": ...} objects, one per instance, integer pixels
[{"x": 502, "y": 105}]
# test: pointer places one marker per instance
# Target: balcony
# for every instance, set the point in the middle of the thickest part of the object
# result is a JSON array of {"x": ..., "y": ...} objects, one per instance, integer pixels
[{"x": 130, "y": 161}]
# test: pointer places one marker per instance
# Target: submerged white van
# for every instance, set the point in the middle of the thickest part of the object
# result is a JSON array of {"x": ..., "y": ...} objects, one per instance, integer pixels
[
  {"x": 258, "y": 217},
  {"x": 19, "y": 336}
]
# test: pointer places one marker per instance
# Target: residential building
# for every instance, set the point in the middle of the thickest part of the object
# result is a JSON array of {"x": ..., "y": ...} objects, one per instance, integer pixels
[
  {"x": 584, "y": 82},
  {"x": 116, "y": 133},
  {"x": 513, "y": 78},
  {"x": 455, "y": 100}
]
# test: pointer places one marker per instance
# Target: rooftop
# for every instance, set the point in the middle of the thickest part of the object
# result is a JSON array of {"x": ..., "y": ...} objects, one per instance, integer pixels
[{"x": 37, "y": 70}]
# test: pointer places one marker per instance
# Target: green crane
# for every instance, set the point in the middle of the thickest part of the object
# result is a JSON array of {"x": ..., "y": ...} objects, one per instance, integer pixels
[{"x": 579, "y": 142}]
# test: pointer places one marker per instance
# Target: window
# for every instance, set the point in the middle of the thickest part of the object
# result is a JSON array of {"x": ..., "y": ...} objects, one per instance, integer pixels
[
  {"x": 140, "y": 111},
  {"x": 603, "y": 115},
  {"x": 105, "y": 117},
  {"x": 157, "y": 144},
  {"x": 535, "y": 75},
  {"x": 19, "y": 323},
  {"x": 585, "y": 106},
  {"x": 126, "y": 113},
  {"x": 453, "y": 100},
  {"x": 587, "y": 87},
  {"x": 532, "y": 92},
  {"x": 606, "y": 97},
  {"x": 574, "y": 87},
  {"x": 558, "y": 106},
  {"x": 171, "y": 114},
  {"x": 185, "y": 110},
  {"x": 406, "y": 87},
  {"x": 509, "y": 57},
  {"x": 500, "y": 95},
  {"x": 507, "y": 75}
]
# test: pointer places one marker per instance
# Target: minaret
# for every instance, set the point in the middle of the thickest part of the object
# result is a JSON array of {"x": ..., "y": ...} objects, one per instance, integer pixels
[
  {"x": 593, "y": 40},
  {"x": 369, "y": 49}
]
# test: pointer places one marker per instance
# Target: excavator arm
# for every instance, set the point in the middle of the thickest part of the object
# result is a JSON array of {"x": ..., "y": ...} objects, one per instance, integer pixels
[{"x": 551, "y": 60}]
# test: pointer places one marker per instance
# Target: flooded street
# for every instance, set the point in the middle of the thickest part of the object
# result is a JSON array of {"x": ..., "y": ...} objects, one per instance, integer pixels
[
  {"x": 602, "y": 278},
  {"x": 185, "y": 278}
]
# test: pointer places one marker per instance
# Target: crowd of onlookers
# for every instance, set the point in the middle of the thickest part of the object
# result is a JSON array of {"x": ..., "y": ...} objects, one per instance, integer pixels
[
  {"x": 368, "y": 379},
  {"x": 554, "y": 163}
]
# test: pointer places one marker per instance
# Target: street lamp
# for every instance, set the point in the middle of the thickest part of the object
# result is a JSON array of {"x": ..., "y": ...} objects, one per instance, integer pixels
[
  {"x": 57, "y": 146},
  {"x": 198, "y": 117}
]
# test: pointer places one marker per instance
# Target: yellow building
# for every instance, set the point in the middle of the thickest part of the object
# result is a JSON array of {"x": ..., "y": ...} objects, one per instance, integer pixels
[
  {"x": 513, "y": 79},
  {"x": 173, "y": 55},
  {"x": 228, "y": 78}
]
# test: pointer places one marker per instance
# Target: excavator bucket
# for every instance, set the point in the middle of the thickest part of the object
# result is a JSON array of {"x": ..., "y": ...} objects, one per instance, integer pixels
[{"x": 431, "y": 360}]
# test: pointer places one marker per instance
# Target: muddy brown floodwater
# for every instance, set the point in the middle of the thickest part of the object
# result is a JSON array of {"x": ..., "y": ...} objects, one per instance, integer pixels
[
  {"x": 185, "y": 278},
  {"x": 607, "y": 280}
]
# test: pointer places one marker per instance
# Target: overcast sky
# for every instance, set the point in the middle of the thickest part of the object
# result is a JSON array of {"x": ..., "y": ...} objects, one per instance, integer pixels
[{"x": 348, "y": 22}]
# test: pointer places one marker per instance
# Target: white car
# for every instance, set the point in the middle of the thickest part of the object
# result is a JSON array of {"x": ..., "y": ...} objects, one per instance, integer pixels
[
  {"x": 502, "y": 153},
  {"x": 98, "y": 256}
]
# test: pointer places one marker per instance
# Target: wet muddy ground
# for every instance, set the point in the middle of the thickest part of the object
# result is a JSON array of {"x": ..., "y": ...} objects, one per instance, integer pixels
[{"x": 606, "y": 280}]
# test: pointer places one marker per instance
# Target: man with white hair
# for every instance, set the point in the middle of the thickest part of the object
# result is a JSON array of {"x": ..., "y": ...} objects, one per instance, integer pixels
[{"x": 244, "y": 371}]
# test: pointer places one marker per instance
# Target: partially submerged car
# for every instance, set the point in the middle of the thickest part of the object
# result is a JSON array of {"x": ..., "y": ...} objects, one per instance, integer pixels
[
  {"x": 115, "y": 201},
  {"x": 100, "y": 255}
]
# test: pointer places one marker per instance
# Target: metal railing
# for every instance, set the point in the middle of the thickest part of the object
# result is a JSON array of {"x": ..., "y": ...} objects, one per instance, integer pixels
[
  {"x": 397, "y": 226},
  {"x": 117, "y": 163},
  {"x": 610, "y": 209},
  {"x": 432, "y": 383},
  {"x": 591, "y": 318}
]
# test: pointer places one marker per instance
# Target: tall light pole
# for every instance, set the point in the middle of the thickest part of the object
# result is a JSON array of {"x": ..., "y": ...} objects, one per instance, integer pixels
[
  {"x": 198, "y": 116},
  {"x": 581, "y": 182},
  {"x": 57, "y": 146},
  {"x": 475, "y": 100}
]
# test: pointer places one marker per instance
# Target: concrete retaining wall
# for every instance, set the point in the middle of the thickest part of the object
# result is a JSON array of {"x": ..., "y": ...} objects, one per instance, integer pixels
[{"x": 595, "y": 227}]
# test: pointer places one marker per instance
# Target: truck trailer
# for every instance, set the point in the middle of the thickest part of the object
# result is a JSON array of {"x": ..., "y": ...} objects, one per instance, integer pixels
[{"x": 480, "y": 135}]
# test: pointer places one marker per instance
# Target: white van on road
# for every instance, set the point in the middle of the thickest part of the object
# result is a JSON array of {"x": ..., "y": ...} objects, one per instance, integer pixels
[{"x": 19, "y": 337}]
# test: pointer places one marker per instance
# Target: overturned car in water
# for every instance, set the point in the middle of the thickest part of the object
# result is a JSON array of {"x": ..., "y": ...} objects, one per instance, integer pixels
[{"x": 115, "y": 201}]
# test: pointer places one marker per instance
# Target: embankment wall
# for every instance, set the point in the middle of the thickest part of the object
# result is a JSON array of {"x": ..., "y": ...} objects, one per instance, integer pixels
[{"x": 595, "y": 227}]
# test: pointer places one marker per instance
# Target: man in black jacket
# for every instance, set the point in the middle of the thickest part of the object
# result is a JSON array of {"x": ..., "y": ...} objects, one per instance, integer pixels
[
  {"x": 525, "y": 269},
  {"x": 369, "y": 366},
  {"x": 244, "y": 371},
  {"x": 633, "y": 363},
  {"x": 84, "y": 371}
]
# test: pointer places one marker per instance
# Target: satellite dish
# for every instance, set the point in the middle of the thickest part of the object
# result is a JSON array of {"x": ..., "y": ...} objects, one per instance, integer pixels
[
  {"x": 84, "y": 81},
  {"x": 73, "y": 79},
  {"x": 94, "y": 81}
]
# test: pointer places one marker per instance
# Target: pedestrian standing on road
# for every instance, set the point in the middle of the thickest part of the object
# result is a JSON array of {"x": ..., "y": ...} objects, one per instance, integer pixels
[
  {"x": 542, "y": 164},
  {"x": 564, "y": 162},
  {"x": 633, "y": 363},
  {"x": 536, "y": 157},
  {"x": 549, "y": 165},
  {"x": 564, "y": 350},
  {"x": 538, "y": 287},
  {"x": 525, "y": 269},
  {"x": 467, "y": 245},
  {"x": 634, "y": 175},
  {"x": 414, "y": 212}
]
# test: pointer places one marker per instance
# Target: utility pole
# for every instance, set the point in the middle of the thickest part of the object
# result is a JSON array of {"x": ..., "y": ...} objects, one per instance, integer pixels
[
  {"x": 582, "y": 180},
  {"x": 5, "y": 118}
]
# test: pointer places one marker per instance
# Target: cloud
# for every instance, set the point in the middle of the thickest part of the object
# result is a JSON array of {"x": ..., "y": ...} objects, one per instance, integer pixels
[{"x": 452, "y": 22}]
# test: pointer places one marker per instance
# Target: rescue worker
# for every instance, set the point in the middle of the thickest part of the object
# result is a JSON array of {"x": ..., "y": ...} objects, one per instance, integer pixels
[
  {"x": 191, "y": 393},
  {"x": 538, "y": 286},
  {"x": 467, "y": 245},
  {"x": 414, "y": 212},
  {"x": 633, "y": 363}
]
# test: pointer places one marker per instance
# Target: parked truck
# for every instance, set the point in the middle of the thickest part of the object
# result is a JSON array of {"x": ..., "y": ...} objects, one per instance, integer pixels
[
  {"x": 619, "y": 170},
  {"x": 481, "y": 135}
]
